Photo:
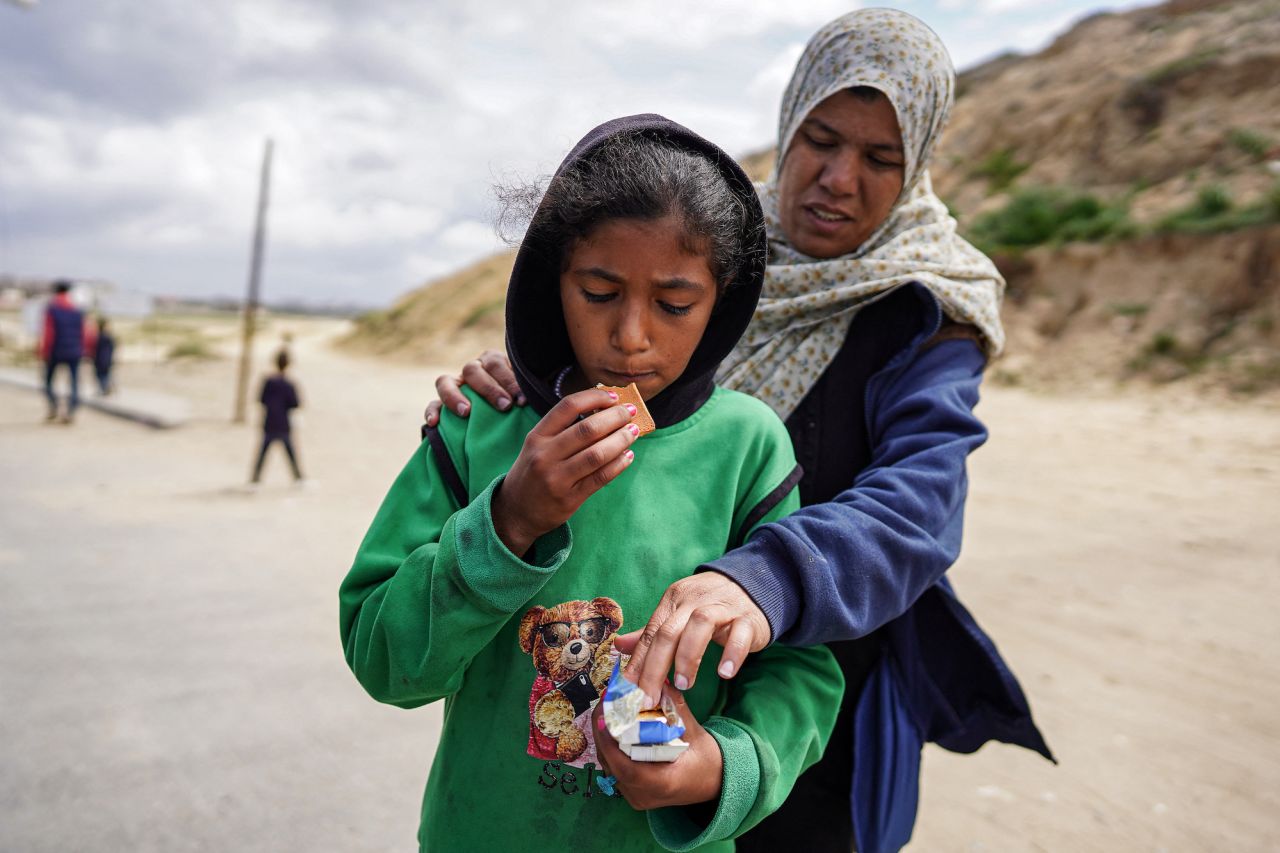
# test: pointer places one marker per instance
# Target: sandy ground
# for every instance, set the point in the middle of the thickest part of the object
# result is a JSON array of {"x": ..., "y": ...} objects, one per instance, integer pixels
[{"x": 171, "y": 677}]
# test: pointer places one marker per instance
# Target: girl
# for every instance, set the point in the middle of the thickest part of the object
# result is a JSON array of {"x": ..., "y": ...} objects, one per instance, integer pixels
[{"x": 515, "y": 546}]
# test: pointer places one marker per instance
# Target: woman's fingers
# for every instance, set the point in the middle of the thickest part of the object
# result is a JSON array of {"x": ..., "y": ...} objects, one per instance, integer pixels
[
  {"x": 660, "y": 652},
  {"x": 641, "y": 643},
  {"x": 476, "y": 375},
  {"x": 737, "y": 646},
  {"x": 490, "y": 376},
  {"x": 449, "y": 390},
  {"x": 498, "y": 366},
  {"x": 698, "y": 632},
  {"x": 626, "y": 643},
  {"x": 735, "y": 621},
  {"x": 432, "y": 413}
]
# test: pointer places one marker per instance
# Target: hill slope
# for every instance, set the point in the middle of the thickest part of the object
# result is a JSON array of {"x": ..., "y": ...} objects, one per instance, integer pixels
[{"x": 1148, "y": 111}]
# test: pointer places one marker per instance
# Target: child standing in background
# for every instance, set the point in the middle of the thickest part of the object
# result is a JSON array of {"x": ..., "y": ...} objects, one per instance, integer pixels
[
  {"x": 516, "y": 545},
  {"x": 279, "y": 396},
  {"x": 104, "y": 355}
]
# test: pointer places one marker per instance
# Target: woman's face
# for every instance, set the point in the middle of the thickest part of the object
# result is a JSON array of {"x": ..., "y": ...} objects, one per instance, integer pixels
[
  {"x": 636, "y": 301},
  {"x": 841, "y": 175}
]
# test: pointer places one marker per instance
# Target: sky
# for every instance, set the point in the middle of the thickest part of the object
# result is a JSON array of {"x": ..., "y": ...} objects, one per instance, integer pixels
[{"x": 131, "y": 134}]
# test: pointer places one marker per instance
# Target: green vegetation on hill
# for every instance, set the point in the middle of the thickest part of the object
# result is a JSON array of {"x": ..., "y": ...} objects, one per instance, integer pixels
[
  {"x": 1041, "y": 215},
  {"x": 1213, "y": 210}
]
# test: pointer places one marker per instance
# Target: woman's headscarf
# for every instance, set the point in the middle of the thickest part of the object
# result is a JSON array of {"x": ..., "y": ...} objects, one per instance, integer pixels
[{"x": 808, "y": 303}]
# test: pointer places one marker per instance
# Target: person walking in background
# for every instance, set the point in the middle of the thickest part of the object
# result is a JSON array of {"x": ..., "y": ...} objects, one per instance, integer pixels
[
  {"x": 278, "y": 397},
  {"x": 62, "y": 344},
  {"x": 104, "y": 354}
]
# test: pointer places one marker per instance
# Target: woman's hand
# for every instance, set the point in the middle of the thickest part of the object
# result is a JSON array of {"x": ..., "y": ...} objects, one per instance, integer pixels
[
  {"x": 693, "y": 612},
  {"x": 489, "y": 376},
  {"x": 694, "y": 777},
  {"x": 563, "y": 462}
]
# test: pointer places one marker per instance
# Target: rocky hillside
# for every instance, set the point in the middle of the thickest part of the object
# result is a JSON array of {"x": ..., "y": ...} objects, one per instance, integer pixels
[
  {"x": 1154, "y": 104},
  {"x": 1126, "y": 179}
]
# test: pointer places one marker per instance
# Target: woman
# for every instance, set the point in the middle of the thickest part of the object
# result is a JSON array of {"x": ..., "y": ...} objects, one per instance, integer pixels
[{"x": 870, "y": 341}]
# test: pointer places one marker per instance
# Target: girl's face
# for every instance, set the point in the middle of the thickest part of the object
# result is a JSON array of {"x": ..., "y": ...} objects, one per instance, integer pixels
[
  {"x": 636, "y": 302},
  {"x": 841, "y": 175}
]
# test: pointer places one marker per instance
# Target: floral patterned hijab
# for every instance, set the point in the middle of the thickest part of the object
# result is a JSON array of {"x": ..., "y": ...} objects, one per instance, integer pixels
[{"x": 808, "y": 303}]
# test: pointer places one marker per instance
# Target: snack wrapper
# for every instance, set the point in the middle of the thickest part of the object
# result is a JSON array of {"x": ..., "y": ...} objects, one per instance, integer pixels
[{"x": 643, "y": 734}]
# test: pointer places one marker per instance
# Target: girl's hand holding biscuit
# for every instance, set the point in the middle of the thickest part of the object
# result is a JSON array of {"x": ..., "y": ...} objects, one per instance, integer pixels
[
  {"x": 573, "y": 452},
  {"x": 694, "y": 777}
]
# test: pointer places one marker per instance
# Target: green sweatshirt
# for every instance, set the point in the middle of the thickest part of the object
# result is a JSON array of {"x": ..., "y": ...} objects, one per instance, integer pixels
[{"x": 436, "y": 607}]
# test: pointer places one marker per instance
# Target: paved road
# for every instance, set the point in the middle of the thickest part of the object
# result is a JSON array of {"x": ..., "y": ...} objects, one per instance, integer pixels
[{"x": 171, "y": 677}]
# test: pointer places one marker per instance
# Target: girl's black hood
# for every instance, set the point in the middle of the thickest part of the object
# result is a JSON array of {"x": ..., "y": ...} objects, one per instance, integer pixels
[{"x": 537, "y": 341}]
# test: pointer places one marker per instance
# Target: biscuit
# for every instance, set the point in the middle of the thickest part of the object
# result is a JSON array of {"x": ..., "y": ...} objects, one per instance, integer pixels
[{"x": 631, "y": 395}]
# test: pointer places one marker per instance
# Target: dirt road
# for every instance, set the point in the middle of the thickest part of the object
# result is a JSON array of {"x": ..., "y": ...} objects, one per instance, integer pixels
[{"x": 171, "y": 676}]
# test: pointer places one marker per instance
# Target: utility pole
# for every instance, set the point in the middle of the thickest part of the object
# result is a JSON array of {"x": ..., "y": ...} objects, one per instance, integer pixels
[{"x": 251, "y": 300}]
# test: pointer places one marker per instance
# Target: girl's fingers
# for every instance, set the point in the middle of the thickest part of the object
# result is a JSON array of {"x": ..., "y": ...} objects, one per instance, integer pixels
[
  {"x": 498, "y": 366},
  {"x": 736, "y": 648},
  {"x": 449, "y": 390},
  {"x": 608, "y": 753},
  {"x": 568, "y": 424},
  {"x": 591, "y": 460},
  {"x": 602, "y": 476}
]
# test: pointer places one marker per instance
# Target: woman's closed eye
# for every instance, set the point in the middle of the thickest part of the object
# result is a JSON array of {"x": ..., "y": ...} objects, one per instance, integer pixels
[
  {"x": 818, "y": 142},
  {"x": 678, "y": 310},
  {"x": 881, "y": 162}
]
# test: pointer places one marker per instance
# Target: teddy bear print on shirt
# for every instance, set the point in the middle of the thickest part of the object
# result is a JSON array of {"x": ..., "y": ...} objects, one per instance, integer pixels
[{"x": 572, "y": 648}]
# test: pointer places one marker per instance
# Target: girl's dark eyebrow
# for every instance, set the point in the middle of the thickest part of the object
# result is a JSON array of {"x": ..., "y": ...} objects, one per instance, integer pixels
[
  {"x": 681, "y": 284},
  {"x": 826, "y": 128},
  {"x": 601, "y": 272},
  {"x": 676, "y": 283}
]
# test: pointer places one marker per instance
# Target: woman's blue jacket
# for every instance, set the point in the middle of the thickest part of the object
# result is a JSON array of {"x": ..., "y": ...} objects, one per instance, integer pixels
[{"x": 877, "y": 556}]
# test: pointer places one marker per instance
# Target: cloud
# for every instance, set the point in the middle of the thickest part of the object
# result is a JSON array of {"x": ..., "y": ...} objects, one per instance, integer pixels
[{"x": 133, "y": 132}]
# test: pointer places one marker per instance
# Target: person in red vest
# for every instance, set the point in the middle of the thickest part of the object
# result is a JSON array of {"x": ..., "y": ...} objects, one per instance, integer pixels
[{"x": 62, "y": 344}]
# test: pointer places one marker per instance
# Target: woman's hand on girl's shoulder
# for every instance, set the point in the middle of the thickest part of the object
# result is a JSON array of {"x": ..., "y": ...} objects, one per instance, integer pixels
[
  {"x": 490, "y": 376},
  {"x": 694, "y": 777},
  {"x": 573, "y": 452}
]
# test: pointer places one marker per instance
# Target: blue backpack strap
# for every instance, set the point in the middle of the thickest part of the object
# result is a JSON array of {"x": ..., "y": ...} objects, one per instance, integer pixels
[{"x": 444, "y": 461}]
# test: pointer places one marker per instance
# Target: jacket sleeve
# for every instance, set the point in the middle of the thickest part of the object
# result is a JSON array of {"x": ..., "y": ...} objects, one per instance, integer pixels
[
  {"x": 774, "y": 723},
  {"x": 841, "y": 569},
  {"x": 431, "y": 585}
]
